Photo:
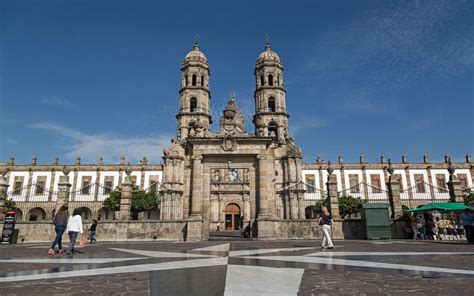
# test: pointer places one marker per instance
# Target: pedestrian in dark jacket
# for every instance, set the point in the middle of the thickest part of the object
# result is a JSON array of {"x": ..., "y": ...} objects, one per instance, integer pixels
[
  {"x": 60, "y": 223},
  {"x": 92, "y": 232}
]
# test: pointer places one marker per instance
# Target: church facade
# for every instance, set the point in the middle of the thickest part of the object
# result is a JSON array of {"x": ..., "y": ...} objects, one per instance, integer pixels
[{"x": 226, "y": 180}]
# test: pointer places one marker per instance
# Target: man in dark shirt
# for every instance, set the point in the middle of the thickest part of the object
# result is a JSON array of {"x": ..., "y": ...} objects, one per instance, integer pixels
[{"x": 92, "y": 231}]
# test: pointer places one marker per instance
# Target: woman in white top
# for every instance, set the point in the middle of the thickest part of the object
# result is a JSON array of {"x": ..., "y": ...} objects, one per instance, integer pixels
[{"x": 74, "y": 227}]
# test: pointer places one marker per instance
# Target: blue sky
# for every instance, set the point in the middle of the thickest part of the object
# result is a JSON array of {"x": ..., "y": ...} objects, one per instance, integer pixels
[{"x": 100, "y": 78}]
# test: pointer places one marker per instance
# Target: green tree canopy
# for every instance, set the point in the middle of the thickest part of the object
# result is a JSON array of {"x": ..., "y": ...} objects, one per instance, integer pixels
[
  {"x": 10, "y": 205},
  {"x": 141, "y": 200},
  {"x": 468, "y": 196},
  {"x": 347, "y": 205}
]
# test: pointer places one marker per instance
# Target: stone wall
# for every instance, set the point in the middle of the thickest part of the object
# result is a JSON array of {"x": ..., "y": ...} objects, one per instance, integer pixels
[
  {"x": 39, "y": 232},
  {"x": 301, "y": 229}
]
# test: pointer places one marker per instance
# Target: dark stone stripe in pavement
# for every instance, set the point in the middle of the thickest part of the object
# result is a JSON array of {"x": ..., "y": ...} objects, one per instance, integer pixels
[
  {"x": 203, "y": 281},
  {"x": 327, "y": 282},
  {"x": 114, "y": 284}
]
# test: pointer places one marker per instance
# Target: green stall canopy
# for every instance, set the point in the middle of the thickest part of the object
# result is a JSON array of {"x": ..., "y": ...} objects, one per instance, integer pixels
[{"x": 445, "y": 206}]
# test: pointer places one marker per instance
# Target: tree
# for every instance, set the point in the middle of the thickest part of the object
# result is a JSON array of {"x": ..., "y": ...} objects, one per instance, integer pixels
[
  {"x": 10, "y": 205},
  {"x": 141, "y": 200},
  {"x": 347, "y": 205},
  {"x": 468, "y": 196}
]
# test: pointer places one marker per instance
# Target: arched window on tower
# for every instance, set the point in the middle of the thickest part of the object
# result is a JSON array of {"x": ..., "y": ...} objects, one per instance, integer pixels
[
  {"x": 270, "y": 80},
  {"x": 271, "y": 104},
  {"x": 186, "y": 82},
  {"x": 194, "y": 80},
  {"x": 273, "y": 130},
  {"x": 202, "y": 80},
  {"x": 262, "y": 81},
  {"x": 278, "y": 80},
  {"x": 193, "y": 104}
]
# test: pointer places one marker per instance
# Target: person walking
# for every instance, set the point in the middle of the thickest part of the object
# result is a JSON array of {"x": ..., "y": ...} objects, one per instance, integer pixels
[
  {"x": 92, "y": 232},
  {"x": 325, "y": 221},
  {"x": 60, "y": 223},
  {"x": 74, "y": 227},
  {"x": 466, "y": 220},
  {"x": 414, "y": 226}
]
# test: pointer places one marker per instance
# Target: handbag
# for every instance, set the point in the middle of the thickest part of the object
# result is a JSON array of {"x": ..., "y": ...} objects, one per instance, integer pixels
[{"x": 82, "y": 240}]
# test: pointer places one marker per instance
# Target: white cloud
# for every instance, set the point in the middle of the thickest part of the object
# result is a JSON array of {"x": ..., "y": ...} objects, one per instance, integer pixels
[
  {"x": 391, "y": 48},
  {"x": 306, "y": 123},
  {"x": 90, "y": 147},
  {"x": 11, "y": 141},
  {"x": 56, "y": 101}
]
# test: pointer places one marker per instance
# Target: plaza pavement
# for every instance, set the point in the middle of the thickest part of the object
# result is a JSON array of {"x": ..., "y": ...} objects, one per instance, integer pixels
[{"x": 241, "y": 268}]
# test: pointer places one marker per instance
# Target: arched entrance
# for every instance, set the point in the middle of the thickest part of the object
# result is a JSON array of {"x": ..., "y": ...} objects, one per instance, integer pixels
[{"x": 232, "y": 217}]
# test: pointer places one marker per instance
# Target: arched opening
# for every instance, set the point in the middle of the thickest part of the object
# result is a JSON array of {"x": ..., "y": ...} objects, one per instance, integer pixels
[
  {"x": 37, "y": 214},
  {"x": 262, "y": 81},
  {"x": 202, "y": 80},
  {"x": 270, "y": 80},
  {"x": 194, "y": 80},
  {"x": 273, "y": 130},
  {"x": 85, "y": 213},
  {"x": 193, "y": 104},
  {"x": 278, "y": 80},
  {"x": 106, "y": 215},
  {"x": 310, "y": 213},
  {"x": 186, "y": 80},
  {"x": 232, "y": 217},
  {"x": 271, "y": 104},
  {"x": 18, "y": 215}
]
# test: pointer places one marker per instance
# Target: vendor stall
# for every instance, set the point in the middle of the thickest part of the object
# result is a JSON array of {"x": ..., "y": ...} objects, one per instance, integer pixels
[{"x": 440, "y": 221}]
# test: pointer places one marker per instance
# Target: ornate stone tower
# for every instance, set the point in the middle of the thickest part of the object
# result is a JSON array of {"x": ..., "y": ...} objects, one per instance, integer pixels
[
  {"x": 194, "y": 117},
  {"x": 270, "y": 117}
]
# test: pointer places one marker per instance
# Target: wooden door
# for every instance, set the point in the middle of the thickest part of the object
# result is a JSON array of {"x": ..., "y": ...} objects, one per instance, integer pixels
[{"x": 232, "y": 217}]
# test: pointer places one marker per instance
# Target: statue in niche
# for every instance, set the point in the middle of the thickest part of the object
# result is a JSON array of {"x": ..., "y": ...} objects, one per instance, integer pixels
[
  {"x": 192, "y": 132},
  {"x": 246, "y": 175},
  {"x": 216, "y": 176},
  {"x": 261, "y": 131}
]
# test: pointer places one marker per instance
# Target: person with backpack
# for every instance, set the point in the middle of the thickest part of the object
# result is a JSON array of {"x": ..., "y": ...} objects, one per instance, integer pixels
[{"x": 60, "y": 222}]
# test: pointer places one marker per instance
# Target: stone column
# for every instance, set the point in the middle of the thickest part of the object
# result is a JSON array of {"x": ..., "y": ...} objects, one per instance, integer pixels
[
  {"x": 197, "y": 190},
  {"x": 246, "y": 198},
  {"x": 301, "y": 214},
  {"x": 195, "y": 224},
  {"x": 293, "y": 205},
  {"x": 126, "y": 197},
  {"x": 214, "y": 208},
  {"x": 332, "y": 192},
  {"x": 262, "y": 186},
  {"x": 64, "y": 188},
  {"x": 454, "y": 185},
  {"x": 3, "y": 192},
  {"x": 394, "y": 194}
]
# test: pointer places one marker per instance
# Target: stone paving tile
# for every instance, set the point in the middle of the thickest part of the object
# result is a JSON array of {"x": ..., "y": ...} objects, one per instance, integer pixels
[
  {"x": 136, "y": 284},
  {"x": 455, "y": 261},
  {"x": 15, "y": 267},
  {"x": 335, "y": 281},
  {"x": 328, "y": 282}
]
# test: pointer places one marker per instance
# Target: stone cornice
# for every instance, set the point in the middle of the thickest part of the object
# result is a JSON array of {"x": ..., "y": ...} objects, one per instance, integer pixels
[
  {"x": 379, "y": 166},
  {"x": 86, "y": 167}
]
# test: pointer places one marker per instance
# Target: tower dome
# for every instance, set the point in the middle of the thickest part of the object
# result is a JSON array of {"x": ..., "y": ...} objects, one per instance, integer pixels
[
  {"x": 268, "y": 55},
  {"x": 195, "y": 55}
]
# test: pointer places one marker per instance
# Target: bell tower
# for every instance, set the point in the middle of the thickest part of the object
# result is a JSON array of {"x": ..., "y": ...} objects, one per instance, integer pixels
[
  {"x": 194, "y": 117},
  {"x": 271, "y": 118}
]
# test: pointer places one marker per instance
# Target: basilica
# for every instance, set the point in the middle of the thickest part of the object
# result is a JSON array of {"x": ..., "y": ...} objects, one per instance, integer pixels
[{"x": 221, "y": 182}]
